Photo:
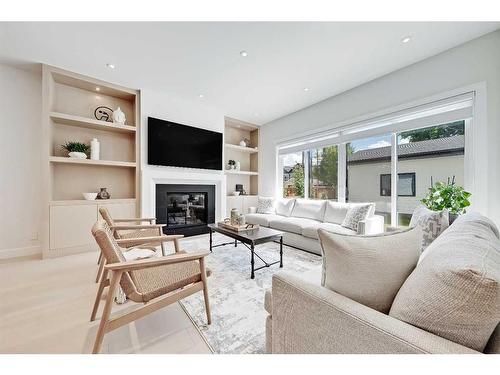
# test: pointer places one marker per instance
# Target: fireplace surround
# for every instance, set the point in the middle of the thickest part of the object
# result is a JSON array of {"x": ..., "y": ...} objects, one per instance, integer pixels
[{"x": 185, "y": 208}]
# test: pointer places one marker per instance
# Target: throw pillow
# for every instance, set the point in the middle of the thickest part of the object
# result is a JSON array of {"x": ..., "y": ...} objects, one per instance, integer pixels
[
  {"x": 369, "y": 269},
  {"x": 284, "y": 207},
  {"x": 354, "y": 215},
  {"x": 265, "y": 205},
  {"x": 454, "y": 292},
  {"x": 433, "y": 223}
]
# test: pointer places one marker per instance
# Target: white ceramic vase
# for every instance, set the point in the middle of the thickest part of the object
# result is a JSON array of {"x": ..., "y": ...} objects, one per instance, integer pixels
[
  {"x": 94, "y": 149},
  {"x": 78, "y": 155},
  {"x": 238, "y": 165},
  {"x": 119, "y": 116}
]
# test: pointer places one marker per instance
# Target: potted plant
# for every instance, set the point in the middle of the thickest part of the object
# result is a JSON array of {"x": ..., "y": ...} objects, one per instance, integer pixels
[
  {"x": 447, "y": 196},
  {"x": 76, "y": 150},
  {"x": 232, "y": 164}
]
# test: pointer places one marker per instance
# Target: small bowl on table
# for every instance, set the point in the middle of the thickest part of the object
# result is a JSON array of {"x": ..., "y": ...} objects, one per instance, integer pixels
[{"x": 236, "y": 193}]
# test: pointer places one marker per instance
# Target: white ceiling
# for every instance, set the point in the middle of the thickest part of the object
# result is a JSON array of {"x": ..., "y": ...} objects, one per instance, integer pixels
[{"x": 188, "y": 59}]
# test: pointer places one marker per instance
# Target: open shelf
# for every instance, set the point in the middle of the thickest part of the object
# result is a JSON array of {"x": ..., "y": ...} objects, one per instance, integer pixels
[
  {"x": 108, "y": 163},
  {"x": 246, "y": 173},
  {"x": 250, "y": 150},
  {"x": 79, "y": 121}
]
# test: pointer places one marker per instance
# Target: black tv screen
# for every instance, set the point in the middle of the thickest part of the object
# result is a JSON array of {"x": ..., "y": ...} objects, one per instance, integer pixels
[{"x": 176, "y": 145}]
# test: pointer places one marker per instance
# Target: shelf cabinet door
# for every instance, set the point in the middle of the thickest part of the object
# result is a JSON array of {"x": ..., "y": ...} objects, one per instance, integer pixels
[
  {"x": 70, "y": 226},
  {"x": 120, "y": 210},
  {"x": 234, "y": 202},
  {"x": 249, "y": 201}
]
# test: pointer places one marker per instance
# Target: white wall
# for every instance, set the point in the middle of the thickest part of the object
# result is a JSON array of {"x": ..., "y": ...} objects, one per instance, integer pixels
[
  {"x": 471, "y": 63},
  {"x": 193, "y": 113},
  {"x": 20, "y": 106}
]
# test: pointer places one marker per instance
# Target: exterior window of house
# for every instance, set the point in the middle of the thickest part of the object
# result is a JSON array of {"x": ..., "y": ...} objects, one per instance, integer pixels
[
  {"x": 366, "y": 160},
  {"x": 293, "y": 175},
  {"x": 434, "y": 153},
  {"x": 323, "y": 173},
  {"x": 406, "y": 185}
]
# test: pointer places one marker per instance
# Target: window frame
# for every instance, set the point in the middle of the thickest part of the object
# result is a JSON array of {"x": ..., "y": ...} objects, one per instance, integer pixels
[{"x": 413, "y": 184}]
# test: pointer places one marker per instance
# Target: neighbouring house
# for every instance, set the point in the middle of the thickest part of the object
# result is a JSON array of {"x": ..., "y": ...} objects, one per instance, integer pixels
[{"x": 369, "y": 172}]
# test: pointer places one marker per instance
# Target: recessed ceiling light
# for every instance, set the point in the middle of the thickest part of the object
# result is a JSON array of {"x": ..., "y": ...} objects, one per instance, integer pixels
[
  {"x": 244, "y": 53},
  {"x": 97, "y": 89},
  {"x": 406, "y": 39},
  {"x": 306, "y": 89},
  {"x": 110, "y": 66},
  {"x": 201, "y": 96}
]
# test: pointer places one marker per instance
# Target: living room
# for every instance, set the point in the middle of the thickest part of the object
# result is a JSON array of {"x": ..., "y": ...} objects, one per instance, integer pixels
[{"x": 313, "y": 186}]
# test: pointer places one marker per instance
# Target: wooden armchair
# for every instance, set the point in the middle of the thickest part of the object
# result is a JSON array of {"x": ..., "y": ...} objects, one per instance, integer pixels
[
  {"x": 136, "y": 234},
  {"x": 156, "y": 282}
]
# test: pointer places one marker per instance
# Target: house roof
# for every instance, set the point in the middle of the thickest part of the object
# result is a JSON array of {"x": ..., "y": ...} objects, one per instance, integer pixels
[{"x": 453, "y": 145}]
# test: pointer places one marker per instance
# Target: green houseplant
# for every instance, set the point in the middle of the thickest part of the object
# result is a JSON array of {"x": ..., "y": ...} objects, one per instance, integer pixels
[
  {"x": 76, "y": 150},
  {"x": 447, "y": 196}
]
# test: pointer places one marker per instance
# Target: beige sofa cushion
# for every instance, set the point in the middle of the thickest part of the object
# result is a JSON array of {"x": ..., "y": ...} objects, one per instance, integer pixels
[
  {"x": 312, "y": 230},
  {"x": 335, "y": 211},
  {"x": 309, "y": 209},
  {"x": 369, "y": 269},
  {"x": 261, "y": 219},
  {"x": 454, "y": 292},
  {"x": 291, "y": 224},
  {"x": 284, "y": 207}
]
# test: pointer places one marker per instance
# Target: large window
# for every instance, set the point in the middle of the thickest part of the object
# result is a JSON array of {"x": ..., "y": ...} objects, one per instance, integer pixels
[
  {"x": 367, "y": 159},
  {"x": 323, "y": 173},
  {"x": 434, "y": 153},
  {"x": 391, "y": 160},
  {"x": 293, "y": 175}
]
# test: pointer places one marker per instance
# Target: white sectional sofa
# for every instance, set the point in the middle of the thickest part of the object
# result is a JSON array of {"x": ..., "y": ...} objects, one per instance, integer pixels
[{"x": 300, "y": 220}]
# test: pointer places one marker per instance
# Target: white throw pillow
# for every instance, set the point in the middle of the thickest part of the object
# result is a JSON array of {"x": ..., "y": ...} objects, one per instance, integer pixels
[
  {"x": 265, "y": 205},
  {"x": 369, "y": 269},
  {"x": 284, "y": 207},
  {"x": 433, "y": 223},
  {"x": 355, "y": 214},
  {"x": 309, "y": 209}
]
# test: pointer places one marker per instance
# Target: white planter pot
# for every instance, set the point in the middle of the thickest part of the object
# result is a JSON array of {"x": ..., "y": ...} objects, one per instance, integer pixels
[{"x": 78, "y": 155}]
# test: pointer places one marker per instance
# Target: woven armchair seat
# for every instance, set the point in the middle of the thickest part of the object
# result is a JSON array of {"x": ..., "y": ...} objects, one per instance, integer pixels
[{"x": 156, "y": 281}]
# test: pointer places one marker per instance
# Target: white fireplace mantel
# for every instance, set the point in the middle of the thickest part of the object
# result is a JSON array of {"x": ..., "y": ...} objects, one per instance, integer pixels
[{"x": 167, "y": 175}]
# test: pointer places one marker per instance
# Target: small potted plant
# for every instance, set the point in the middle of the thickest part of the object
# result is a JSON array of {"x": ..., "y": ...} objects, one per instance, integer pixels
[
  {"x": 76, "y": 150},
  {"x": 232, "y": 164},
  {"x": 447, "y": 196}
]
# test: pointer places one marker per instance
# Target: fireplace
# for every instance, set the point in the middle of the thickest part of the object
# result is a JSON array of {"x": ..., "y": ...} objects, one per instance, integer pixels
[{"x": 185, "y": 209}]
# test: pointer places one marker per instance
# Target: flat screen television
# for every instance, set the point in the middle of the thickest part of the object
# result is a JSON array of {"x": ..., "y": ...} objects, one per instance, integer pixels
[{"x": 176, "y": 145}]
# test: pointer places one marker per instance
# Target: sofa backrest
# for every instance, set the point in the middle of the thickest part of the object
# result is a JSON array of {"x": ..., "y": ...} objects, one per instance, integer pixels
[
  {"x": 284, "y": 206},
  {"x": 309, "y": 209},
  {"x": 335, "y": 211}
]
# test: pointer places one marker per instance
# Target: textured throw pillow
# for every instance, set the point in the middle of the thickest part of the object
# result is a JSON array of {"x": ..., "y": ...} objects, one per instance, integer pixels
[
  {"x": 354, "y": 215},
  {"x": 454, "y": 292},
  {"x": 433, "y": 223},
  {"x": 284, "y": 207},
  {"x": 369, "y": 269},
  {"x": 265, "y": 205}
]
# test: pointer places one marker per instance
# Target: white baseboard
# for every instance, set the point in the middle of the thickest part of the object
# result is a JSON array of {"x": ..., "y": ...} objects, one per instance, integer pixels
[{"x": 20, "y": 252}]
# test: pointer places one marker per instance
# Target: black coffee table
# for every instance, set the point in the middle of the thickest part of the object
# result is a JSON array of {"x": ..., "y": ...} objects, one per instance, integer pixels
[{"x": 250, "y": 239}]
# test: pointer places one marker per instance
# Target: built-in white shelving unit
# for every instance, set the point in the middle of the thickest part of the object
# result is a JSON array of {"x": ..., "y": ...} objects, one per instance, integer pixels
[{"x": 69, "y": 101}]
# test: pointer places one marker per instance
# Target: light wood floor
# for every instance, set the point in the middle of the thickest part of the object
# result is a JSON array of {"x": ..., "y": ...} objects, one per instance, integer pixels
[{"x": 45, "y": 307}]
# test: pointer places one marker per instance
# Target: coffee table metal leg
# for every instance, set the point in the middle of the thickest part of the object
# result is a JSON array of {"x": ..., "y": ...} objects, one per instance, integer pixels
[
  {"x": 252, "y": 262},
  {"x": 281, "y": 252},
  {"x": 235, "y": 243},
  {"x": 210, "y": 240}
]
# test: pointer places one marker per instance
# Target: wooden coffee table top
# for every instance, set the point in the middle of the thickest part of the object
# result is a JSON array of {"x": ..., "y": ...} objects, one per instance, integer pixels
[{"x": 253, "y": 236}]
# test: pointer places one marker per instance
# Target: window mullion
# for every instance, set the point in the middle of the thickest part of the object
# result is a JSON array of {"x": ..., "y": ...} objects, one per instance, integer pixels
[
  {"x": 341, "y": 172},
  {"x": 394, "y": 179}
]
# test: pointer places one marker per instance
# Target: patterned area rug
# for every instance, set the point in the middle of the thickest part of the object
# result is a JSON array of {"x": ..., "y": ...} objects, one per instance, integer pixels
[{"x": 237, "y": 302}]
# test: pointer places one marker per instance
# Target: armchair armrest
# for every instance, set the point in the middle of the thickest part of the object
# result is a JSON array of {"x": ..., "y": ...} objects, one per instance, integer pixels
[
  {"x": 155, "y": 262},
  {"x": 151, "y": 220},
  {"x": 371, "y": 225},
  {"x": 147, "y": 240},
  {"x": 308, "y": 318},
  {"x": 136, "y": 226}
]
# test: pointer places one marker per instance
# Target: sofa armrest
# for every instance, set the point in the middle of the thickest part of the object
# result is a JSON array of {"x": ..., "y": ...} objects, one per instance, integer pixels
[
  {"x": 307, "y": 318},
  {"x": 371, "y": 225}
]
